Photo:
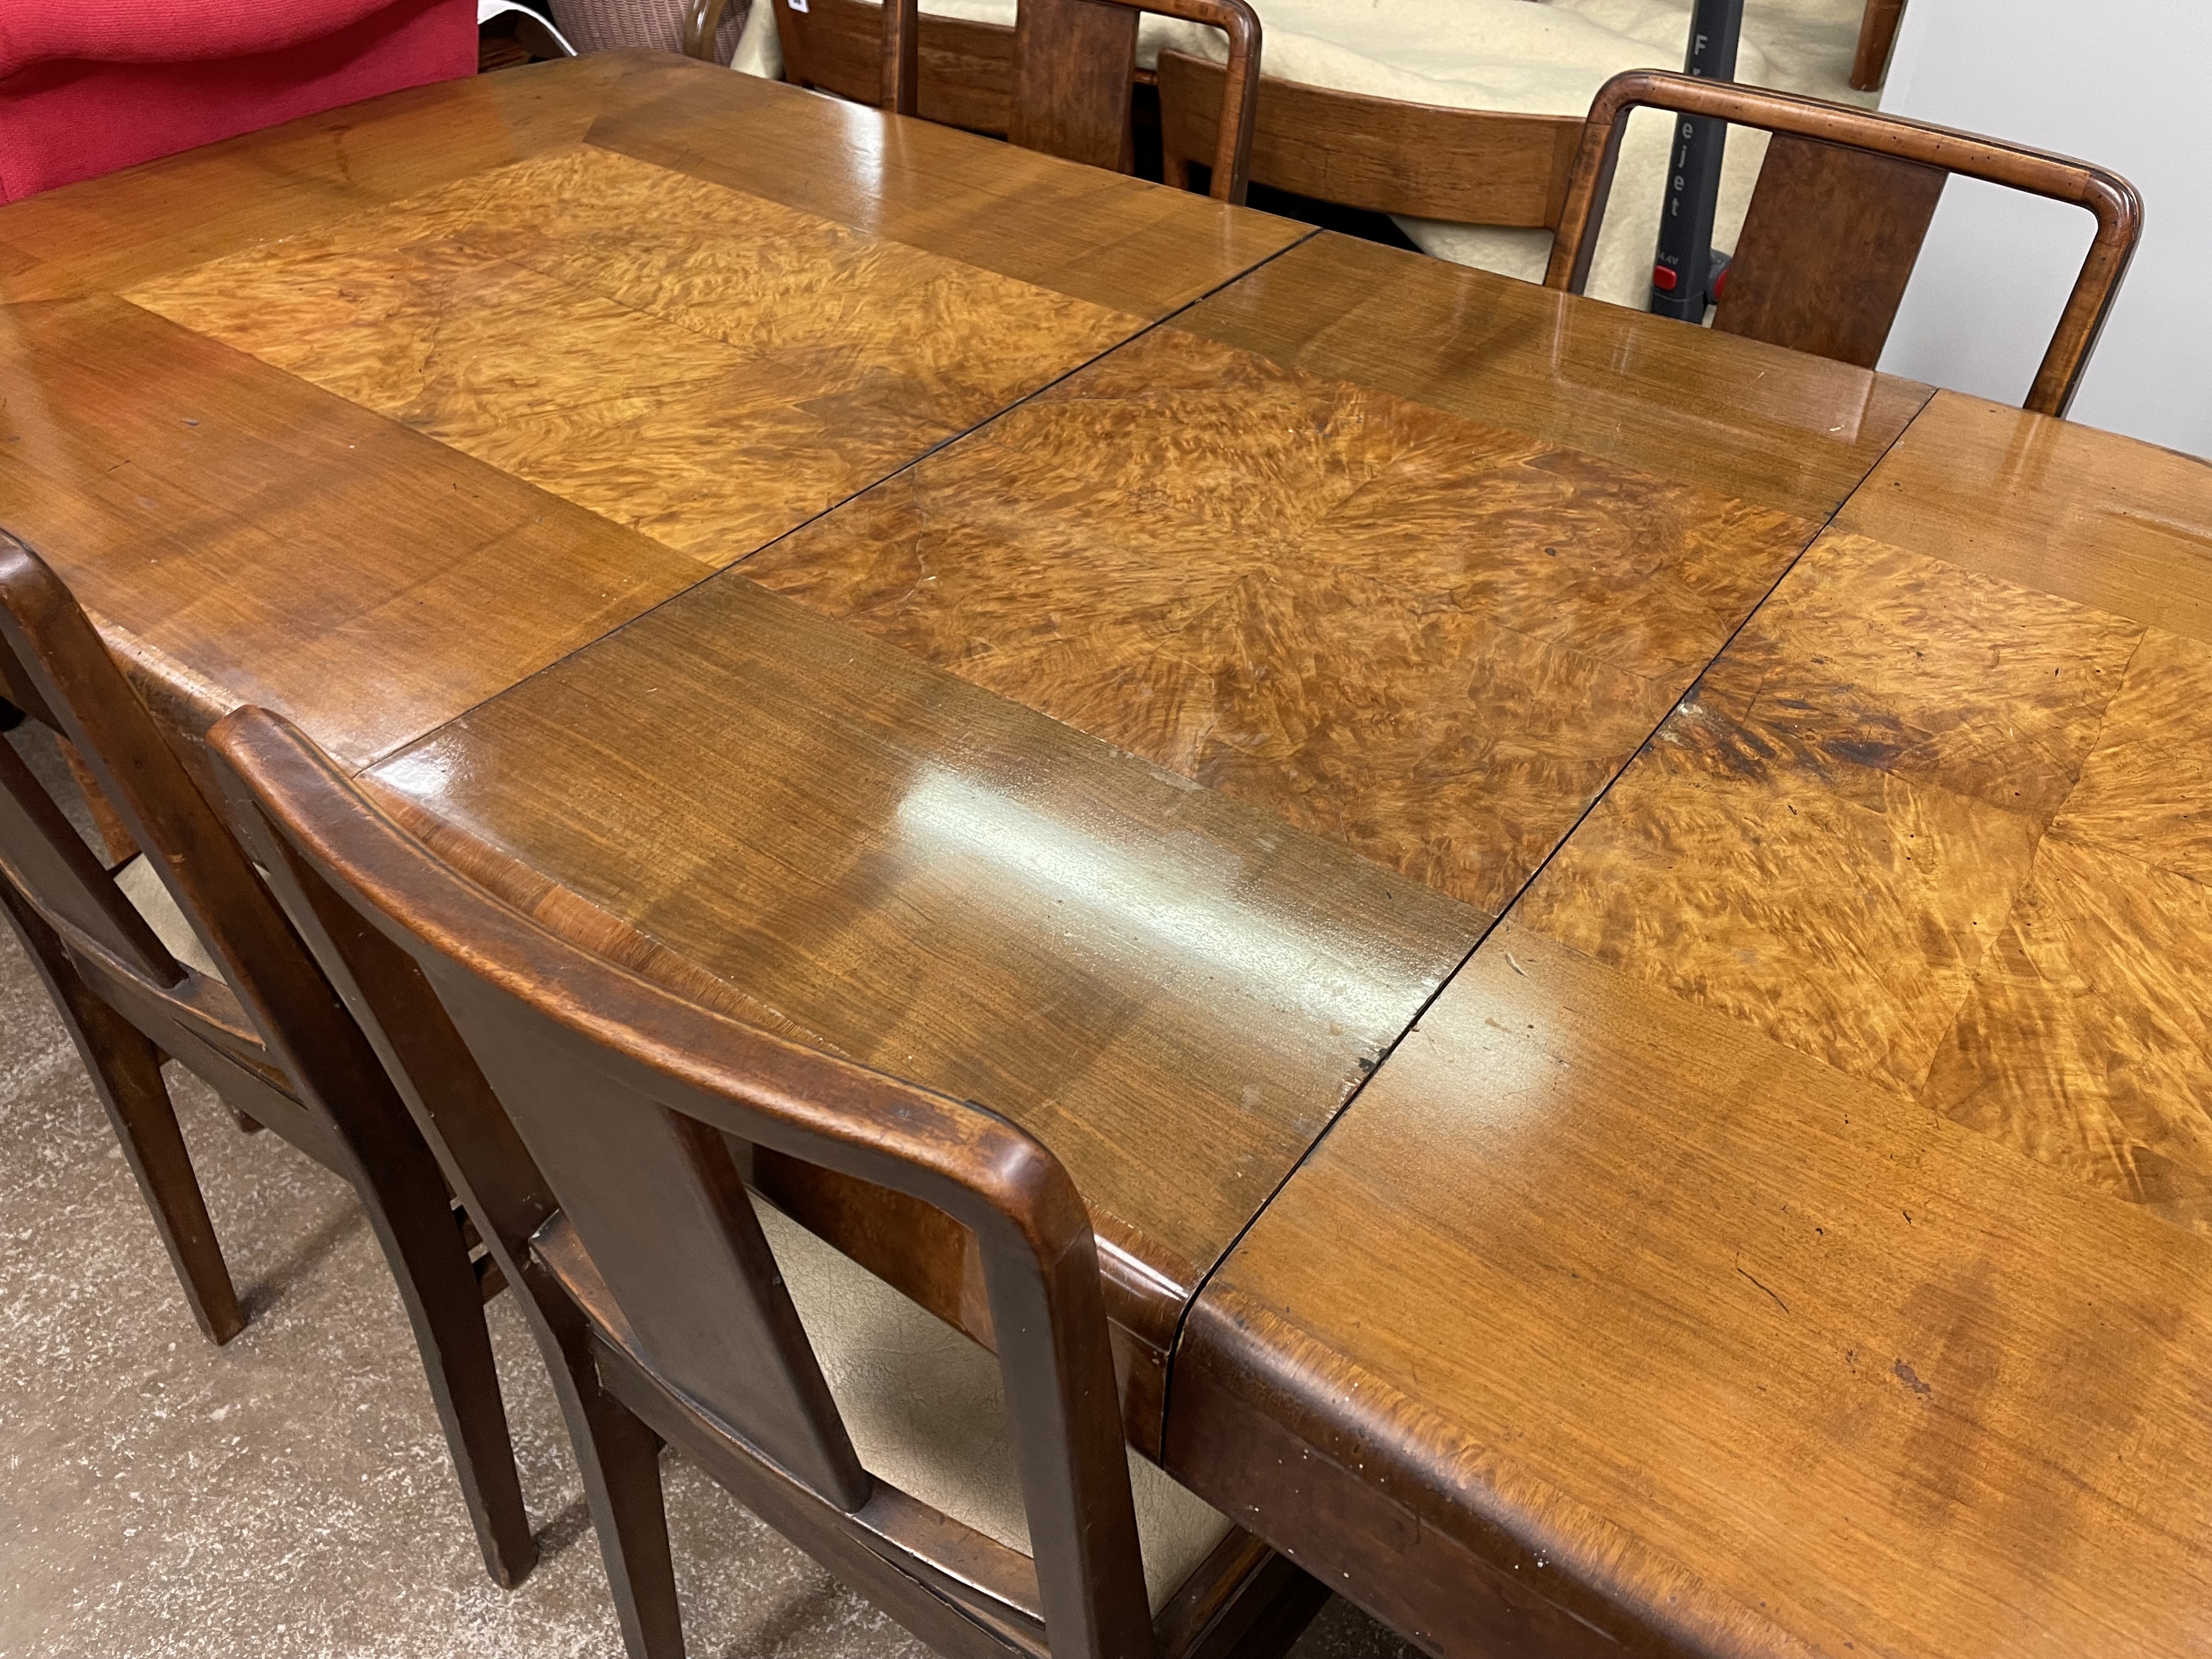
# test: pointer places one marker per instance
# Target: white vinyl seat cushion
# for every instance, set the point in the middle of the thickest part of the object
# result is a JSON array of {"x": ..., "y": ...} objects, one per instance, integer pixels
[
  {"x": 144, "y": 888},
  {"x": 927, "y": 1411}
]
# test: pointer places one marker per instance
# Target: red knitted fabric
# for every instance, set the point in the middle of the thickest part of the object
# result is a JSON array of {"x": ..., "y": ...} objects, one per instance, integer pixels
[{"x": 101, "y": 84}]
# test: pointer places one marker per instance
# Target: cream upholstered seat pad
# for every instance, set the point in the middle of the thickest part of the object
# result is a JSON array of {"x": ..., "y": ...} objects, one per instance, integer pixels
[
  {"x": 1523, "y": 57},
  {"x": 928, "y": 1412},
  {"x": 143, "y": 886}
]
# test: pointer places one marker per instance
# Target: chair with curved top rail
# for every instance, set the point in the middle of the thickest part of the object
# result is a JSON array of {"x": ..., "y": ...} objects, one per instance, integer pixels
[
  {"x": 605, "y": 1129},
  {"x": 1837, "y": 178}
]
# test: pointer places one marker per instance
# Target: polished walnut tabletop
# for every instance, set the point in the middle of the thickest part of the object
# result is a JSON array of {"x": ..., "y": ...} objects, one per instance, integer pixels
[
  {"x": 1171, "y": 988},
  {"x": 428, "y": 392},
  {"x": 1933, "y": 819},
  {"x": 1411, "y": 555},
  {"x": 1611, "y": 918},
  {"x": 1662, "y": 1338},
  {"x": 1344, "y": 615},
  {"x": 1786, "y": 1235}
]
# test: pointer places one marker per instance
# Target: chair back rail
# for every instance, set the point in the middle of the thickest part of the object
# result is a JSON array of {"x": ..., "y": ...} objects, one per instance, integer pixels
[
  {"x": 52, "y": 648},
  {"x": 1066, "y": 92},
  {"x": 1383, "y": 154},
  {"x": 2114, "y": 202},
  {"x": 191, "y": 1017},
  {"x": 621, "y": 1101}
]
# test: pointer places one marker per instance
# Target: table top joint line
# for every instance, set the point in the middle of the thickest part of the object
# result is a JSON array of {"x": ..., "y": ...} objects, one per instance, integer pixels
[{"x": 1205, "y": 1278}]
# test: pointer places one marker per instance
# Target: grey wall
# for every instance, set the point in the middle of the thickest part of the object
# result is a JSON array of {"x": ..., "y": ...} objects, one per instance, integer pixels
[{"x": 2124, "y": 83}]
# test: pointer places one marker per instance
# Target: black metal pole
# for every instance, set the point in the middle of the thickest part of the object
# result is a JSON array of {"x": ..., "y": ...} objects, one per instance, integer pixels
[{"x": 1684, "y": 268}]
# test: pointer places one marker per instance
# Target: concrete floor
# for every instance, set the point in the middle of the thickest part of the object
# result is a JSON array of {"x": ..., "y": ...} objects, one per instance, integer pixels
[{"x": 289, "y": 1495}]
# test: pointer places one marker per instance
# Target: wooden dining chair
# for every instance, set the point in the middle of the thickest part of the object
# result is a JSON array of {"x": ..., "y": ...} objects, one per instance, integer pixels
[
  {"x": 1060, "y": 81},
  {"x": 966, "y": 65},
  {"x": 1843, "y": 203},
  {"x": 962, "y": 72},
  {"x": 1075, "y": 62},
  {"x": 181, "y": 953},
  {"x": 1378, "y": 154},
  {"x": 604, "y": 1128}
]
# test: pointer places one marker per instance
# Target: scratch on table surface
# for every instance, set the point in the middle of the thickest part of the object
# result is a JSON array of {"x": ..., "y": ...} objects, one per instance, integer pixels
[{"x": 1779, "y": 1302}]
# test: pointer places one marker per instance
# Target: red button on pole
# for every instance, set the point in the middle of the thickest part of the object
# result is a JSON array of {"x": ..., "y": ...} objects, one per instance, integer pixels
[{"x": 1663, "y": 278}]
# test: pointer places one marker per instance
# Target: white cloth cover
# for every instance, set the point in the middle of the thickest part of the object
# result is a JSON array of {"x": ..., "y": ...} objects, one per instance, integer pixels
[
  {"x": 928, "y": 1412},
  {"x": 1527, "y": 56},
  {"x": 143, "y": 888},
  {"x": 760, "y": 49}
]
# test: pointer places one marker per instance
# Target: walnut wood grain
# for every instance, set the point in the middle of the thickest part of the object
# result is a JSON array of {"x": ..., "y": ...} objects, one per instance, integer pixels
[
  {"x": 1428, "y": 637},
  {"x": 1117, "y": 241},
  {"x": 246, "y": 536},
  {"x": 1428, "y": 640},
  {"x": 1754, "y": 1281},
  {"x": 457, "y": 258},
  {"x": 1946, "y": 829},
  {"x": 1680, "y": 1343},
  {"x": 1827, "y": 248},
  {"x": 696, "y": 363},
  {"x": 1774, "y": 427},
  {"x": 2090, "y": 516},
  {"x": 1174, "y": 991},
  {"x": 1828, "y": 834},
  {"x": 2080, "y": 1040}
]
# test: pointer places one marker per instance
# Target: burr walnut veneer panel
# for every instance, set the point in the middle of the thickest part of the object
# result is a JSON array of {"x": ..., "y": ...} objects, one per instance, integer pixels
[
  {"x": 1680, "y": 1342},
  {"x": 247, "y": 537},
  {"x": 1934, "y": 820},
  {"x": 579, "y": 328},
  {"x": 1365, "y": 598},
  {"x": 1174, "y": 991},
  {"x": 679, "y": 357},
  {"x": 2068, "y": 510},
  {"x": 1774, "y": 427}
]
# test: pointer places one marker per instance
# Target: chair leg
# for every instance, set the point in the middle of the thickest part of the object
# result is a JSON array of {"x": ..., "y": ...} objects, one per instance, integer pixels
[
  {"x": 413, "y": 1218},
  {"x": 620, "y": 1458},
  {"x": 1877, "y": 37},
  {"x": 126, "y": 1074}
]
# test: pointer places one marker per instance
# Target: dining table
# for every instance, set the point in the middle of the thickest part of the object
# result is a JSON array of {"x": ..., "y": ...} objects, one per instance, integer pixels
[{"x": 1614, "y": 922}]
